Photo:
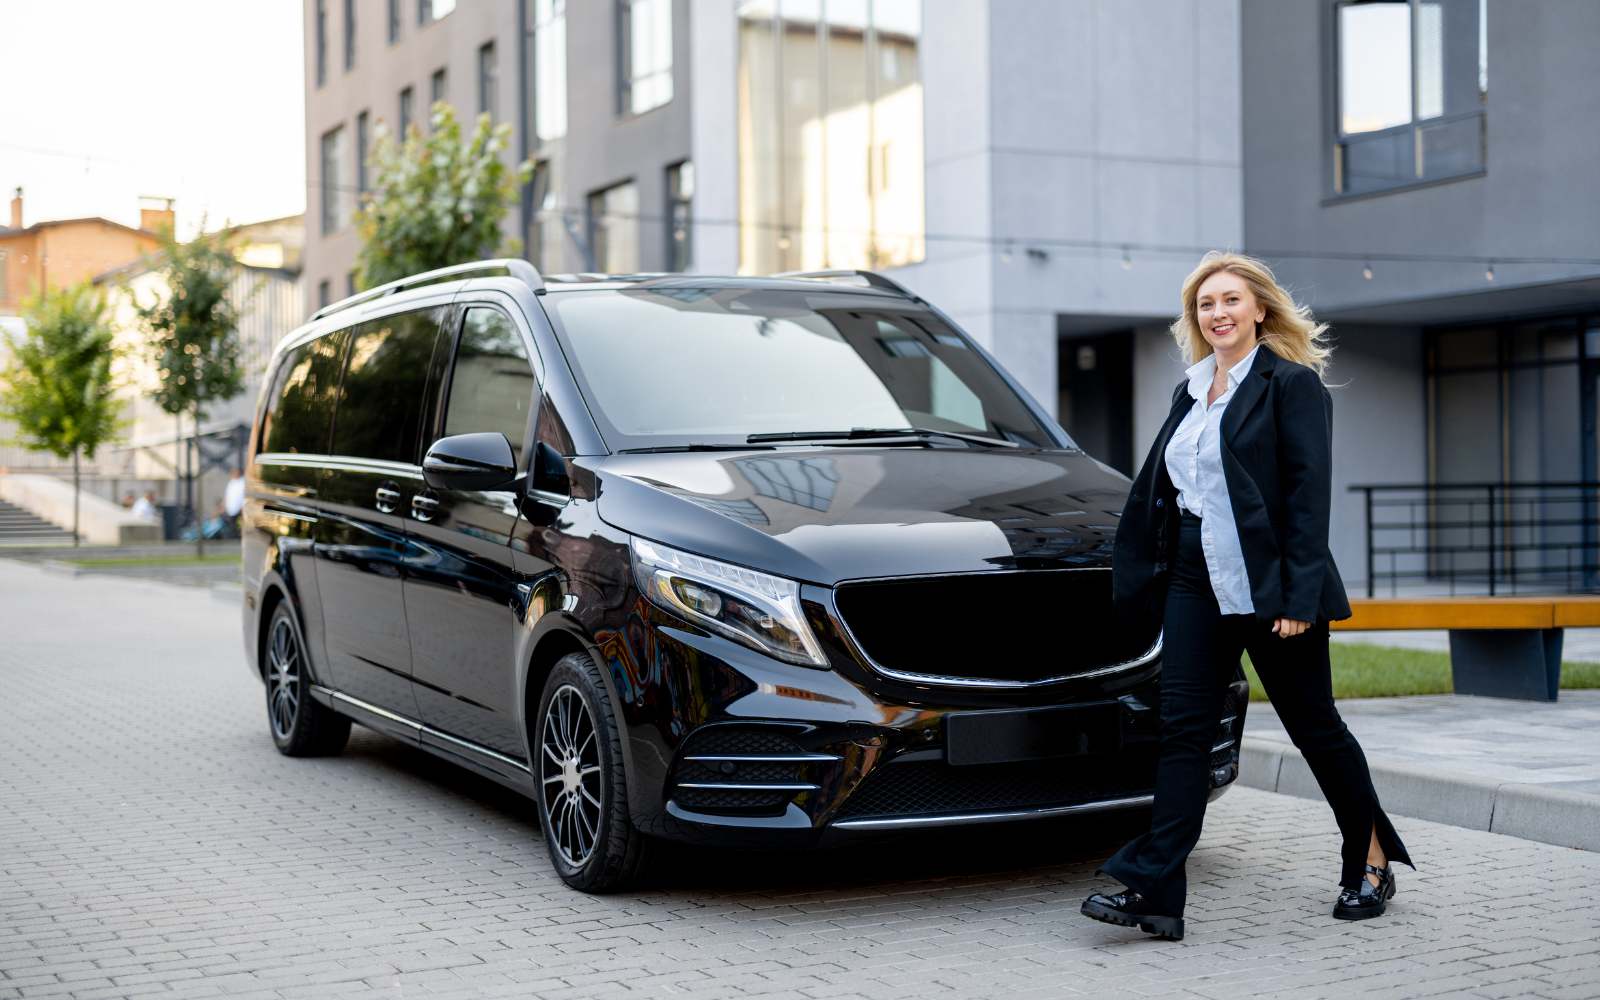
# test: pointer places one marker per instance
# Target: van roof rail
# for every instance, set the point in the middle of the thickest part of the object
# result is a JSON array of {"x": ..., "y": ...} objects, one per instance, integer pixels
[
  {"x": 503, "y": 267},
  {"x": 871, "y": 279}
]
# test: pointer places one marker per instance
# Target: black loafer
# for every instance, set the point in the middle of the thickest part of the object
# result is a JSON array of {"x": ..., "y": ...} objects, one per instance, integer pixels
[
  {"x": 1130, "y": 909},
  {"x": 1366, "y": 900}
]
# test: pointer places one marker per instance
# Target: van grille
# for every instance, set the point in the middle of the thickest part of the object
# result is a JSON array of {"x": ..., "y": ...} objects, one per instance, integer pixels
[{"x": 1009, "y": 627}]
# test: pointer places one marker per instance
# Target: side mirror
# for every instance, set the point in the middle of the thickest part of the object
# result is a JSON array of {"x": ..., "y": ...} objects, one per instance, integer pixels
[
  {"x": 550, "y": 471},
  {"x": 470, "y": 462}
]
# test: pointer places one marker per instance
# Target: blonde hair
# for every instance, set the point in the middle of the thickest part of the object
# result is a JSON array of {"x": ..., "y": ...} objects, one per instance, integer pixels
[{"x": 1287, "y": 330}]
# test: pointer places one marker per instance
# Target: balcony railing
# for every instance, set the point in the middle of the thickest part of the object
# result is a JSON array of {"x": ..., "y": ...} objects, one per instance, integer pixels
[{"x": 1500, "y": 537}]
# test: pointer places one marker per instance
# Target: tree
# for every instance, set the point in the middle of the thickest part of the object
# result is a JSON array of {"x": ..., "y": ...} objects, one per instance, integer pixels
[
  {"x": 194, "y": 337},
  {"x": 57, "y": 387},
  {"x": 437, "y": 201}
]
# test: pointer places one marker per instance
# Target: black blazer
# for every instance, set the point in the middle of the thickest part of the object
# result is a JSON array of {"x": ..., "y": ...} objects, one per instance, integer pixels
[{"x": 1277, "y": 461}]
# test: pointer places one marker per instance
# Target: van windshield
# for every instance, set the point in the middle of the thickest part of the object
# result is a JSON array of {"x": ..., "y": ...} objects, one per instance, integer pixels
[{"x": 664, "y": 367}]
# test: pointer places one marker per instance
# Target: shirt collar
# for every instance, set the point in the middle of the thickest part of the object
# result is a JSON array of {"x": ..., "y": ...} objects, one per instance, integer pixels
[{"x": 1201, "y": 372}]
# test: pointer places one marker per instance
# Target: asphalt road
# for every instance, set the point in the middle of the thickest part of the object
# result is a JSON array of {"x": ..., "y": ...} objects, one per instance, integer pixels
[{"x": 153, "y": 844}]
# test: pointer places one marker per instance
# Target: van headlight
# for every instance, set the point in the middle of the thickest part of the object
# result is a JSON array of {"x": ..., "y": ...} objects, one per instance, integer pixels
[{"x": 758, "y": 609}]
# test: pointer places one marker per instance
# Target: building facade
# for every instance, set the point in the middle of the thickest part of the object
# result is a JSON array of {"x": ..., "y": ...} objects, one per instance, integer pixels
[{"x": 1419, "y": 172}]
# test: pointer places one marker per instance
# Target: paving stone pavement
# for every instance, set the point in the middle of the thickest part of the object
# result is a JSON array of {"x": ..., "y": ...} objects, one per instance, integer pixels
[{"x": 153, "y": 844}]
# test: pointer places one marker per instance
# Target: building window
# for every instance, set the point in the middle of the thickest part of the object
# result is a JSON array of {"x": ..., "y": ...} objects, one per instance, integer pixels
[
  {"x": 363, "y": 143},
  {"x": 437, "y": 88},
  {"x": 544, "y": 233},
  {"x": 349, "y": 35},
  {"x": 488, "y": 81},
  {"x": 644, "y": 46},
  {"x": 335, "y": 201},
  {"x": 680, "y": 199},
  {"x": 432, "y": 10},
  {"x": 349, "y": 283},
  {"x": 324, "y": 294},
  {"x": 550, "y": 68},
  {"x": 614, "y": 229},
  {"x": 408, "y": 111},
  {"x": 830, "y": 135},
  {"x": 322, "y": 42},
  {"x": 1411, "y": 89},
  {"x": 394, "y": 21}
]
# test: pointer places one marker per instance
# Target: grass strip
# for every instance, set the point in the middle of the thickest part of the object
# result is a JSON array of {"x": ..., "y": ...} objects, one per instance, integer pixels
[
  {"x": 1363, "y": 671},
  {"x": 108, "y": 562}
]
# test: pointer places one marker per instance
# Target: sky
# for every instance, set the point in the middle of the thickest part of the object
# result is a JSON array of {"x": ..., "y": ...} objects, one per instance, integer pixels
[{"x": 202, "y": 101}]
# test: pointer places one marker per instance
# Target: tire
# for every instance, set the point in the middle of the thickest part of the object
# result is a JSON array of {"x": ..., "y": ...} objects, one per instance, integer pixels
[
  {"x": 300, "y": 725},
  {"x": 581, "y": 784}
]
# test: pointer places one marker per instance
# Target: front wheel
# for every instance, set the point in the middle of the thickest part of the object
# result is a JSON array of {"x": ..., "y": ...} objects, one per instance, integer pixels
[
  {"x": 301, "y": 726},
  {"x": 583, "y": 788}
]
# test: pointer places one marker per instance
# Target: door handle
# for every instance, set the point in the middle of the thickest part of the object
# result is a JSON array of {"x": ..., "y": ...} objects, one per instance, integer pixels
[
  {"x": 424, "y": 506},
  {"x": 388, "y": 499}
]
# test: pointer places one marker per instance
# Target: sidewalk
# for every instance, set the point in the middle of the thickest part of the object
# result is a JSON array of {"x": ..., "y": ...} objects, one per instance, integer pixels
[{"x": 1521, "y": 768}]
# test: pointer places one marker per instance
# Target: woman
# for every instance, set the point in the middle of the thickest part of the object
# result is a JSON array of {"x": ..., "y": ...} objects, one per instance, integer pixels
[{"x": 1225, "y": 539}]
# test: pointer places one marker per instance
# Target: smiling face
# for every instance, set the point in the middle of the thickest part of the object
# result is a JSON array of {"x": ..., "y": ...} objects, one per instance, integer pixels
[{"x": 1228, "y": 312}]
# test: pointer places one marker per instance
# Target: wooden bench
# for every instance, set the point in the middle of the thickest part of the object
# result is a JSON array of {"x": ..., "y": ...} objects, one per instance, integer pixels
[{"x": 1502, "y": 647}]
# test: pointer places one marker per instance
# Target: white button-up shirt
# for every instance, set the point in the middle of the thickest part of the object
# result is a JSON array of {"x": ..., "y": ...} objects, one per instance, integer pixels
[{"x": 1194, "y": 463}]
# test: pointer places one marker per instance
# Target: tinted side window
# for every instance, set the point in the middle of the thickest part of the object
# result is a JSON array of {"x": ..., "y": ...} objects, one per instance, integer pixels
[
  {"x": 491, "y": 385},
  {"x": 380, "y": 402},
  {"x": 301, "y": 408}
]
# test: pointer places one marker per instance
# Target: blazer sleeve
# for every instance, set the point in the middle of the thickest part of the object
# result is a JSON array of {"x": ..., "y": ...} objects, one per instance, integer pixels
[{"x": 1305, "y": 465}]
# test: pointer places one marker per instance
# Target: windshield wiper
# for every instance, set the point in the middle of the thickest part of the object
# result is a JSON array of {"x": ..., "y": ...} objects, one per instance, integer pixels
[
  {"x": 856, "y": 433},
  {"x": 698, "y": 446}
]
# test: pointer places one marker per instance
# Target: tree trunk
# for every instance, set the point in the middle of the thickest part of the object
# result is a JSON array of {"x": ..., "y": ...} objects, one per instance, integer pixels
[
  {"x": 199, "y": 499},
  {"x": 75, "y": 490}
]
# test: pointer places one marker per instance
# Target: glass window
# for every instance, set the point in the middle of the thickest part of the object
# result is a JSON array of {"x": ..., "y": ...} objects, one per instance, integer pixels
[
  {"x": 300, "y": 412},
  {"x": 363, "y": 144},
  {"x": 645, "y": 43},
  {"x": 324, "y": 293},
  {"x": 830, "y": 134},
  {"x": 322, "y": 42},
  {"x": 544, "y": 233},
  {"x": 394, "y": 21},
  {"x": 438, "y": 88},
  {"x": 335, "y": 203},
  {"x": 488, "y": 81},
  {"x": 1412, "y": 85},
  {"x": 491, "y": 385},
  {"x": 681, "y": 365},
  {"x": 349, "y": 34},
  {"x": 614, "y": 228},
  {"x": 432, "y": 10},
  {"x": 680, "y": 201},
  {"x": 550, "y": 68},
  {"x": 380, "y": 400},
  {"x": 407, "y": 111}
]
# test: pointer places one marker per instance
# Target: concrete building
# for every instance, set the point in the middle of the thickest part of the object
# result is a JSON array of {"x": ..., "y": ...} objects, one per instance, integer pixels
[{"x": 1419, "y": 172}]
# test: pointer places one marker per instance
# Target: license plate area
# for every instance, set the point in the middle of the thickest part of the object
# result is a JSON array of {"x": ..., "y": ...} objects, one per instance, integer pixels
[{"x": 1012, "y": 735}]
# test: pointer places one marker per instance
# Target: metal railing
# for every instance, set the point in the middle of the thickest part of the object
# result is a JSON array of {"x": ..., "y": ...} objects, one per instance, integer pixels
[{"x": 1516, "y": 537}]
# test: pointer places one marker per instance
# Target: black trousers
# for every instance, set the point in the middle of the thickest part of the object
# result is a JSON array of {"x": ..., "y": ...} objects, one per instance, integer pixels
[{"x": 1200, "y": 654}]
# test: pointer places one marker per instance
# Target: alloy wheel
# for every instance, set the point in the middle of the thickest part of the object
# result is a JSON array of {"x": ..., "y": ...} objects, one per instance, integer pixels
[
  {"x": 572, "y": 786},
  {"x": 283, "y": 678}
]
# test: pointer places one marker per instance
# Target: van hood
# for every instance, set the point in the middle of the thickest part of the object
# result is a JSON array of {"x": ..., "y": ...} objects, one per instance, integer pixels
[{"x": 827, "y": 515}]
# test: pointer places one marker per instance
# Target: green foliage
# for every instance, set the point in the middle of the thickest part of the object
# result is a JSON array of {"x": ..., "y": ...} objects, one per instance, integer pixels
[
  {"x": 194, "y": 331},
  {"x": 57, "y": 387},
  {"x": 437, "y": 200}
]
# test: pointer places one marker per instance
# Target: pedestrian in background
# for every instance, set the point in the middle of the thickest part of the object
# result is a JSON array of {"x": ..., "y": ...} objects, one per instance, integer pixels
[{"x": 1224, "y": 540}]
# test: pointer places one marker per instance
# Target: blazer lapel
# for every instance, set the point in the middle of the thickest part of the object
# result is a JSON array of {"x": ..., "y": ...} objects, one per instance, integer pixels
[{"x": 1249, "y": 393}]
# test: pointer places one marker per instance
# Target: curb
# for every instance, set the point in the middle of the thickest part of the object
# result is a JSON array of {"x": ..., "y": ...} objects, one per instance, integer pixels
[{"x": 1516, "y": 809}]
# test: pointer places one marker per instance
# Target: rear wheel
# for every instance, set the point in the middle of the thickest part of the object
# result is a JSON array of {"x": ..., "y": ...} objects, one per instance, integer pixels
[
  {"x": 583, "y": 789},
  {"x": 301, "y": 726}
]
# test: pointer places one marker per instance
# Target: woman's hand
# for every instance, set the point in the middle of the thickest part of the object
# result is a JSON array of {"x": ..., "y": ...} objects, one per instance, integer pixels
[{"x": 1288, "y": 628}]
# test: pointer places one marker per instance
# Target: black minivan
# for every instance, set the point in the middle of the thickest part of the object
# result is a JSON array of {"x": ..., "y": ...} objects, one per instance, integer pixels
[{"x": 766, "y": 561}]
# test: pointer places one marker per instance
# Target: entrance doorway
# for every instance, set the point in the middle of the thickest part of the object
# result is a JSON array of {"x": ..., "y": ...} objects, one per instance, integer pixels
[{"x": 1096, "y": 395}]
